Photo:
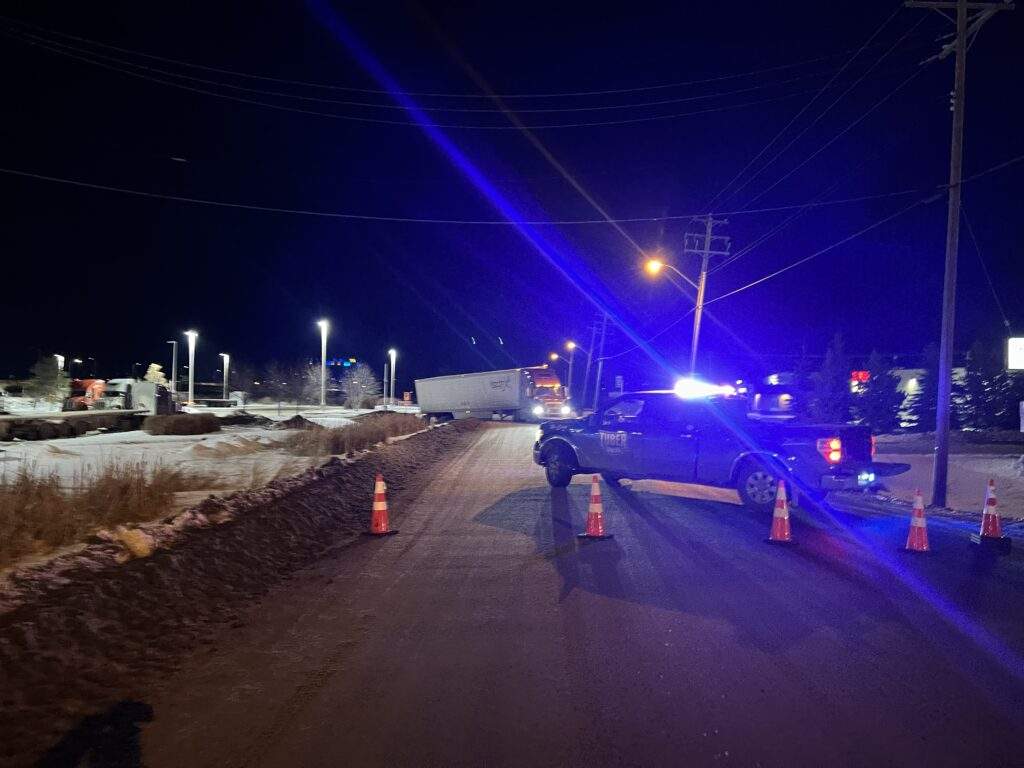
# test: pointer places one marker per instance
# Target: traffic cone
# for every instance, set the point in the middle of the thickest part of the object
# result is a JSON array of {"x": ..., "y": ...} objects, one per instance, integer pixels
[
  {"x": 780, "y": 518},
  {"x": 991, "y": 534},
  {"x": 379, "y": 525},
  {"x": 917, "y": 536},
  {"x": 595, "y": 514}
]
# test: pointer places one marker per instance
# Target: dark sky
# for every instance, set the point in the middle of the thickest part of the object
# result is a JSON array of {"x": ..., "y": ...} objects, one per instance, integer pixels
[{"x": 96, "y": 273}]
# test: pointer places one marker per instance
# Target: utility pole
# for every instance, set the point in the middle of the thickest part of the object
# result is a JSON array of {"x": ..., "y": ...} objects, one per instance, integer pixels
[
  {"x": 707, "y": 246},
  {"x": 590, "y": 356},
  {"x": 600, "y": 360},
  {"x": 966, "y": 28}
]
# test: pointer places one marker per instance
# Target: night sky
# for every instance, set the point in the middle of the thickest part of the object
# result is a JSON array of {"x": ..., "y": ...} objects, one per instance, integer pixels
[{"x": 96, "y": 273}]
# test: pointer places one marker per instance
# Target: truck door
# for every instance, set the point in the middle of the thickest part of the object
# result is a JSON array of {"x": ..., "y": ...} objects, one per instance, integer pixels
[
  {"x": 610, "y": 443},
  {"x": 668, "y": 446}
]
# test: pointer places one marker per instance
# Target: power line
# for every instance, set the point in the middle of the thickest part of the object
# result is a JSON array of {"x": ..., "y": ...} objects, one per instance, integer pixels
[
  {"x": 384, "y": 121},
  {"x": 826, "y": 249},
  {"x": 88, "y": 55},
  {"x": 824, "y": 112},
  {"x": 451, "y": 95},
  {"x": 803, "y": 109},
  {"x": 422, "y": 220},
  {"x": 984, "y": 268}
]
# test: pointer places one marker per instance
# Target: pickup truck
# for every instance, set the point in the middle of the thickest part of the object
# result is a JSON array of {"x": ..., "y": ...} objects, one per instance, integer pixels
[{"x": 710, "y": 441}]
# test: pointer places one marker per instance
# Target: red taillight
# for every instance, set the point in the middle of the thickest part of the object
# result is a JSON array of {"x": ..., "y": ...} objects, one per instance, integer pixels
[
  {"x": 831, "y": 448},
  {"x": 874, "y": 447}
]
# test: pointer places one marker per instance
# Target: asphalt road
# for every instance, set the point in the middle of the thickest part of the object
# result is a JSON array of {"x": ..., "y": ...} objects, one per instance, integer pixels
[{"x": 485, "y": 634}]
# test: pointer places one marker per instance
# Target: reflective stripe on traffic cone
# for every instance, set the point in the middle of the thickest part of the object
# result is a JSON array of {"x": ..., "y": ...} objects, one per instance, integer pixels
[
  {"x": 991, "y": 534},
  {"x": 379, "y": 525},
  {"x": 917, "y": 536},
  {"x": 780, "y": 518},
  {"x": 595, "y": 514}
]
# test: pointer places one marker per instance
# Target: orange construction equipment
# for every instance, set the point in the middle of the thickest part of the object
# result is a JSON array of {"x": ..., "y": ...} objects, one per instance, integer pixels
[
  {"x": 780, "y": 518},
  {"x": 379, "y": 525},
  {"x": 991, "y": 534},
  {"x": 595, "y": 514},
  {"x": 917, "y": 536}
]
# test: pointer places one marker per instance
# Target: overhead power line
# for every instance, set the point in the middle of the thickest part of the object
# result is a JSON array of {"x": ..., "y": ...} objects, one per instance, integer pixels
[
  {"x": 86, "y": 54},
  {"x": 425, "y": 220},
  {"x": 385, "y": 121},
  {"x": 435, "y": 94}
]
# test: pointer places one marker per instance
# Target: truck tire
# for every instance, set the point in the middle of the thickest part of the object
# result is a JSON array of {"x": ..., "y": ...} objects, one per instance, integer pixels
[
  {"x": 757, "y": 483},
  {"x": 559, "y": 466}
]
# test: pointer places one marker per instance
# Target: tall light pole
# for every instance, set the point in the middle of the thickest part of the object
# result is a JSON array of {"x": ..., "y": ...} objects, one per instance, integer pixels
[
  {"x": 324, "y": 326},
  {"x": 60, "y": 361},
  {"x": 227, "y": 365},
  {"x": 385, "y": 390},
  {"x": 192, "y": 336},
  {"x": 174, "y": 366},
  {"x": 392, "y": 353},
  {"x": 571, "y": 346}
]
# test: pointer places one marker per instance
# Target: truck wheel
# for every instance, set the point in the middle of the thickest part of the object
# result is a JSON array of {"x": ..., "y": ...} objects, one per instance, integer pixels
[
  {"x": 558, "y": 467},
  {"x": 757, "y": 485}
]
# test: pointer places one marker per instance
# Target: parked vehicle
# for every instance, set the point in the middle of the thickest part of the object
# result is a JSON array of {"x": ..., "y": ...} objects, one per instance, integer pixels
[
  {"x": 710, "y": 441},
  {"x": 522, "y": 394}
]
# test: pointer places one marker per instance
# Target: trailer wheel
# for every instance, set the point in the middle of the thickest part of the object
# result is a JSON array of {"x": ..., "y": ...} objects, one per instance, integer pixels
[{"x": 559, "y": 466}]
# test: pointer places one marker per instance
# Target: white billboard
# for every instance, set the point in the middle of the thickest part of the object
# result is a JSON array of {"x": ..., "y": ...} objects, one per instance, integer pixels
[{"x": 1015, "y": 353}]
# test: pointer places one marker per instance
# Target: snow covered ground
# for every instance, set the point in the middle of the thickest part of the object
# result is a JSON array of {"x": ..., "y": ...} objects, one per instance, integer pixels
[
  {"x": 14, "y": 405},
  {"x": 968, "y": 477},
  {"x": 235, "y": 458}
]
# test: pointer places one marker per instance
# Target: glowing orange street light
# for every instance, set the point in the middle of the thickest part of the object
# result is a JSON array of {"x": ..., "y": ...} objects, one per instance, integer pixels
[
  {"x": 653, "y": 266},
  {"x": 553, "y": 356}
]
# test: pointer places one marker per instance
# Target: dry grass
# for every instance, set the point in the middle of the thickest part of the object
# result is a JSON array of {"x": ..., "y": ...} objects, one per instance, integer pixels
[
  {"x": 39, "y": 514},
  {"x": 182, "y": 424},
  {"x": 353, "y": 437}
]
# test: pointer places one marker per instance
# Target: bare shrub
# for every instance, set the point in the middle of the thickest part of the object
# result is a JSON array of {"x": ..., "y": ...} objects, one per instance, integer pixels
[
  {"x": 353, "y": 437},
  {"x": 38, "y": 514},
  {"x": 182, "y": 424}
]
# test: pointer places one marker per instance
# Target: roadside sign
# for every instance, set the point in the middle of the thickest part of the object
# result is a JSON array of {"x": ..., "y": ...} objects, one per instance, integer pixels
[{"x": 1015, "y": 353}]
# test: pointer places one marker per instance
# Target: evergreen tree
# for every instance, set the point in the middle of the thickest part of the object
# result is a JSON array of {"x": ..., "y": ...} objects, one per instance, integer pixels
[
  {"x": 48, "y": 381},
  {"x": 981, "y": 394},
  {"x": 922, "y": 405},
  {"x": 878, "y": 404},
  {"x": 830, "y": 386}
]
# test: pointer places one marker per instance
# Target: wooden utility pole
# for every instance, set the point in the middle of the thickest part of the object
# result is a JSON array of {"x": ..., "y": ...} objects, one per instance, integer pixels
[
  {"x": 703, "y": 248},
  {"x": 966, "y": 28},
  {"x": 600, "y": 360}
]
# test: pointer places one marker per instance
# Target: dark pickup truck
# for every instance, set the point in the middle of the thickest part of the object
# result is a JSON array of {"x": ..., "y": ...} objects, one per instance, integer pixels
[{"x": 710, "y": 441}]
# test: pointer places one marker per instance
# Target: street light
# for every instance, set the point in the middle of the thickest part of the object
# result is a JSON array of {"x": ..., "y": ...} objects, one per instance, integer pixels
[
  {"x": 192, "y": 336},
  {"x": 227, "y": 365},
  {"x": 571, "y": 346},
  {"x": 653, "y": 266},
  {"x": 174, "y": 366},
  {"x": 392, "y": 353},
  {"x": 324, "y": 326},
  {"x": 60, "y": 362},
  {"x": 553, "y": 357}
]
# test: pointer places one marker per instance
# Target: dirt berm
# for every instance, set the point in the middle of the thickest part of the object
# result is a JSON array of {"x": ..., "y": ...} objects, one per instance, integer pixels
[{"x": 86, "y": 631}]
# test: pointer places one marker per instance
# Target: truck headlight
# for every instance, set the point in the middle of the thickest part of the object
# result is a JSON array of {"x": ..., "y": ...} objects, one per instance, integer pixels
[
  {"x": 538, "y": 410},
  {"x": 565, "y": 410}
]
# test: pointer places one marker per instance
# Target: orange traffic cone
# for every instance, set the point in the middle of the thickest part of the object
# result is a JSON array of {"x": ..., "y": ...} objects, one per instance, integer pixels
[
  {"x": 595, "y": 514},
  {"x": 991, "y": 534},
  {"x": 780, "y": 518},
  {"x": 379, "y": 525},
  {"x": 917, "y": 536}
]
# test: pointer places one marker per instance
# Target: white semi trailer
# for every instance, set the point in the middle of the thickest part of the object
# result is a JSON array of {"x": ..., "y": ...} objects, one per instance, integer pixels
[{"x": 522, "y": 394}]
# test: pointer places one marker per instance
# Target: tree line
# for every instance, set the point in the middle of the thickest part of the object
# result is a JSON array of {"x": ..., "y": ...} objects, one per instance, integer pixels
[{"x": 986, "y": 397}]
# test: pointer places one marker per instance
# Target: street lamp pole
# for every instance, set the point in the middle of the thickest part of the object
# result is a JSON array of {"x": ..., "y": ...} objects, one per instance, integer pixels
[
  {"x": 324, "y": 325},
  {"x": 174, "y": 366},
  {"x": 393, "y": 354},
  {"x": 571, "y": 346},
  {"x": 227, "y": 366},
  {"x": 192, "y": 335}
]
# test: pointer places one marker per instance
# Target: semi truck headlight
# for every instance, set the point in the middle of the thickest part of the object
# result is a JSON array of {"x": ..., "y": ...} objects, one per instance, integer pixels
[
  {"x": 538, "y": 410},
  {"x": 565, "y": 410}
]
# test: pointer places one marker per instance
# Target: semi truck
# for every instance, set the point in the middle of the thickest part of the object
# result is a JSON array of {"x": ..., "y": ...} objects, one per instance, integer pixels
[{"x": 520, "y": 394}]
